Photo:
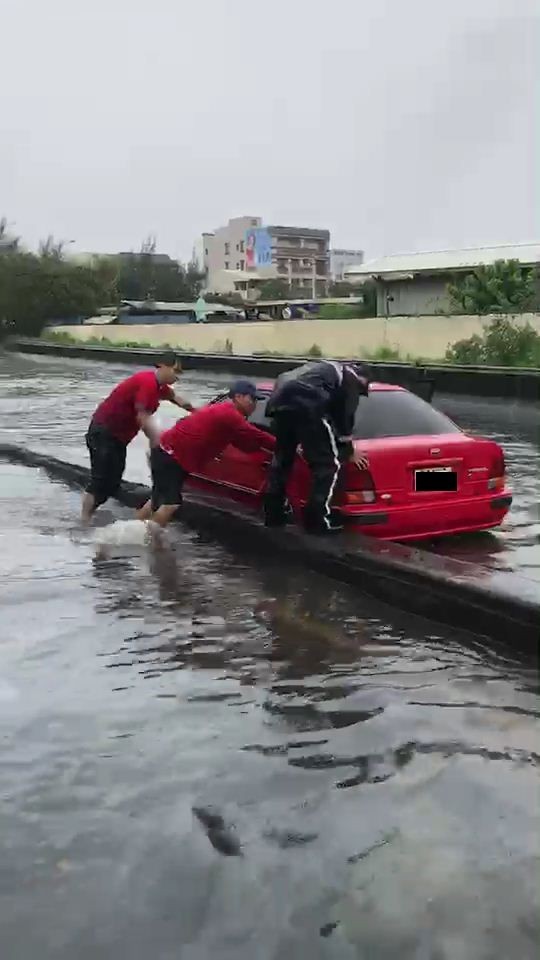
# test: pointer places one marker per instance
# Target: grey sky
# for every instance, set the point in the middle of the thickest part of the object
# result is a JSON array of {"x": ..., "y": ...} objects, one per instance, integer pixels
[{"x": 399, "y": 124}]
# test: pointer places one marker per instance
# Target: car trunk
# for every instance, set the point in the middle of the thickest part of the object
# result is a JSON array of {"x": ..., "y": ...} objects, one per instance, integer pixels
[{"x": 405, "y": 470}]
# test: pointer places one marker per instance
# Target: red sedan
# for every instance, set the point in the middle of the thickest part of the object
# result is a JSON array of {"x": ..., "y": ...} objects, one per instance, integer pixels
[{"x": 426, "y": 477}]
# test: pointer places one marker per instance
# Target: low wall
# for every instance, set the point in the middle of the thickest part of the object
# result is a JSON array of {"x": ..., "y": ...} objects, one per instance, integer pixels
[
  {"x": 426, "y": 337},
  {"x": 510, "y": 383}
]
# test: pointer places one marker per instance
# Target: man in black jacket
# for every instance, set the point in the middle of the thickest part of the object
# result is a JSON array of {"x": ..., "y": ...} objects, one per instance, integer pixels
[{"x": 315, "y": 406}]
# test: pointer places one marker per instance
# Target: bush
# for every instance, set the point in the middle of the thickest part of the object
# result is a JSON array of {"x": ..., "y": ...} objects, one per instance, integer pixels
[
  {"x": 314, "y": 351},
  {"x": 340, "y": 311},
  {"x": 501, "y": 287},
  {"x": 504, "y": 343}
]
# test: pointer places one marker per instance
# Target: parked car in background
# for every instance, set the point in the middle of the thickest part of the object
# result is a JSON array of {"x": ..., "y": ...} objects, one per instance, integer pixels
[{"x": 426, "y": 476}]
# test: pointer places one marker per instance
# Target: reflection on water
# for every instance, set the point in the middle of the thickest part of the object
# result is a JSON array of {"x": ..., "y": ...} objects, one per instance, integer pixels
[{"x": 203, "y": 757}]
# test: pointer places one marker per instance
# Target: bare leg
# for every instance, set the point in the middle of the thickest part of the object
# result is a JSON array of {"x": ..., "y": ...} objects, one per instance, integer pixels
[
  {"x": 88, "y": 507},
  {"x": 145, "y": 512},
  {"x": 165, "y": 514}
]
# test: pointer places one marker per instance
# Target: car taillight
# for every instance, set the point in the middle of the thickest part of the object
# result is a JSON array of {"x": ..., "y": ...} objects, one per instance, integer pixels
[
  {"x": 358, "y": 486},
  {"x": 497, "y": 472}
]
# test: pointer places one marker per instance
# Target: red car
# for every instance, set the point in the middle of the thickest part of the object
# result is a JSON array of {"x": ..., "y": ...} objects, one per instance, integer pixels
[{"x": 426, "y": 477}]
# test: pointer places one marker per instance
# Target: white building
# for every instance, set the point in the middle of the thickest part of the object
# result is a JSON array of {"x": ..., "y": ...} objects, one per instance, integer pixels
[
  {"x": 341, "y": 260},
  {"x": 247, "y": 251}
]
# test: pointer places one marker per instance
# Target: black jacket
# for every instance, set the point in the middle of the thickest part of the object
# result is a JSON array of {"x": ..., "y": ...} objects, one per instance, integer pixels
[{"x": 322, "y": 389}]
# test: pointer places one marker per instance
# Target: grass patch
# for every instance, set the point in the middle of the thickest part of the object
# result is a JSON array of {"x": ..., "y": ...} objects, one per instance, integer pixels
[
  {"x": 340, "y": 311},
  {"x": 383, "y": 353},
  {"x": 60, "y": 336},
  {"x": 504, "y": 344}
]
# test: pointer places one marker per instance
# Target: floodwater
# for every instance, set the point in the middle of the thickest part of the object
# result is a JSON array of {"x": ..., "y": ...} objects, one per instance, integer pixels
[{"x": 202, "y": 758}]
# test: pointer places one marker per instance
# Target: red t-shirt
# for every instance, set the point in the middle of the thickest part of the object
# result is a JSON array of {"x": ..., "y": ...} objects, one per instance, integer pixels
[
  {"x": 118, "y": 412},
  {"x": 204, "y": 434}
]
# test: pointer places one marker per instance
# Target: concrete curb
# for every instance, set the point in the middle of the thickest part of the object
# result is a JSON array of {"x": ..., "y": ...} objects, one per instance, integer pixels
[
  {"x": 501, "y": 382},
  {"x": 501, "y": 606}
]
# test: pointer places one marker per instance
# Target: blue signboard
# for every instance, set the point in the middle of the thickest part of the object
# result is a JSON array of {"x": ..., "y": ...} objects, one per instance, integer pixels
[{"x": 258, "y": 248}]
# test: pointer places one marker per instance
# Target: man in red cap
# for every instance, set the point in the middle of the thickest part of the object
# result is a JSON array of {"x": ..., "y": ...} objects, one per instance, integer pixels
[
  {"x": 194, "y": 440},
  {"x": 118, "y": 419}
]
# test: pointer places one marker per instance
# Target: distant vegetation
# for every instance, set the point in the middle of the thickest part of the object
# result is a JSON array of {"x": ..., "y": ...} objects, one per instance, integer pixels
[
  {"x": 34, "y": 289},
  {"x": 60, "y": 336},
  {"x": 505, "y": 286},
  {"x": 504, "y": 343},
  {"x": 47, "y": 285},
  {"x": 276, "y": 289},
  {"x": 148, "y": 276}
]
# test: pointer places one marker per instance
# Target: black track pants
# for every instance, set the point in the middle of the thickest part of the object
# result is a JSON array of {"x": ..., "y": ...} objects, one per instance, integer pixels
[{"x": 320, "y": 449}]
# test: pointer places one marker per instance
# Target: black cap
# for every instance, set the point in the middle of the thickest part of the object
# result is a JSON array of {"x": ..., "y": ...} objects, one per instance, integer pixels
[
  {"x": 244, "y": 388},
  {"x": 167, "y": 359},
  {"x": 361, "y": 374}
]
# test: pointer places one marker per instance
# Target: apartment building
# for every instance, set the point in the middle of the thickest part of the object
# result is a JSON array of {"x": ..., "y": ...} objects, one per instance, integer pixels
[
  {"x": 341, "y": 260},
  {"x": 247, "y": 250}
]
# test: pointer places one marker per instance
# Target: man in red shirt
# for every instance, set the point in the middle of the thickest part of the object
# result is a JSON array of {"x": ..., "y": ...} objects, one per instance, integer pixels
[
  {"x": 194, "y": 440},
  {"x": 118, "y": 419}
]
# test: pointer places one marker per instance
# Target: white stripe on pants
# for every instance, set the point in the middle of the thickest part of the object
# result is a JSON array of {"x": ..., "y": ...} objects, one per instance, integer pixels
[{"x": 334, "y": 448}]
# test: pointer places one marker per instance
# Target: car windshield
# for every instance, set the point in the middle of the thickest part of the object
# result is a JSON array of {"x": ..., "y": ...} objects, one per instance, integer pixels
[{"x": 396, "y": 413}]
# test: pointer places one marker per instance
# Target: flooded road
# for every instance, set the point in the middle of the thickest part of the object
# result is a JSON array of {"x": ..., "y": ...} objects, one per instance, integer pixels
[{"x": 205, "y": 759}]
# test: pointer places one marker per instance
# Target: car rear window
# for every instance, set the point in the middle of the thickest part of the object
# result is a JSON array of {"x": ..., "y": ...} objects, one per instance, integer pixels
[{"x": 395, "y": 413}]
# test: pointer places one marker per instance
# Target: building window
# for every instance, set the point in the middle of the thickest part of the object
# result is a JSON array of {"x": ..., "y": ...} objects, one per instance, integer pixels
[
  {"x": 241, "y": 246},
  {"x": 226, "y": 264},
  {"x": 242, "y": 264},
  {"x": 253, "y": 223},
  {"x": 206, "y": 251},
  {"x": 227, "y": 249}
]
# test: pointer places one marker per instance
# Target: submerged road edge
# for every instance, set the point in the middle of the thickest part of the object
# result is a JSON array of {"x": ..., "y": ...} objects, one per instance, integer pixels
[{"x": 501, "y": 606}]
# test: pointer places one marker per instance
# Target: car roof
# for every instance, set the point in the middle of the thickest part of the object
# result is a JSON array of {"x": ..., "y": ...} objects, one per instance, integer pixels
[{"x": 266, "y": 386}]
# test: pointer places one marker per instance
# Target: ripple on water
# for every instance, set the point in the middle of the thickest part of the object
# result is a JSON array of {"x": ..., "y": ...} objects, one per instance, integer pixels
[{"x": 199, "y": 755}]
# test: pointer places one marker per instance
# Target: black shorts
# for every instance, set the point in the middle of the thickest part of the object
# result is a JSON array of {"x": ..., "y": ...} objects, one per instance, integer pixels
[
  {"x": 107, "y": 463},
  {"x": 167, "y": 479}
]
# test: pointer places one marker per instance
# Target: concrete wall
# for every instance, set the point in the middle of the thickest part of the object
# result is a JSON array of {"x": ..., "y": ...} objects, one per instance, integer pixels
[
  {"x": 422, "y": 295},
  {"x": 426, "y": 337}
]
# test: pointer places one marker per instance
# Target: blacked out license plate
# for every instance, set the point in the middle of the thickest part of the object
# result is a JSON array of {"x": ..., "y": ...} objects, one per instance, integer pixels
[{"x": 435, "y": 479}]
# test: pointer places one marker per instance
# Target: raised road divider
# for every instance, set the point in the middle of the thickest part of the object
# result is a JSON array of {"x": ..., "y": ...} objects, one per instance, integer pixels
[
  {"x": 477, "y": 381},
  {"x": 502, "y": 607}
]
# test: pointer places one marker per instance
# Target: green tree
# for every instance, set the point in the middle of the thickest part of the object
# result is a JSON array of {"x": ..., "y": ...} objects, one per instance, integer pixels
[
  {"x": 36, "y": 289},
  {"x": 502, "y": 287},
  {"x": 8, "y": 243},
  {"x": 341, "y": 288},
  {"x": 148, "y": 275},
  {"x": 51, "y": 249},
  {"x": 275, "y": 289},
  {"x": 368, "y": 292}
]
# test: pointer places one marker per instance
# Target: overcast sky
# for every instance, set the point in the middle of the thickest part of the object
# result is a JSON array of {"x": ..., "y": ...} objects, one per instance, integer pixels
[{"x": 400, "y": 125}]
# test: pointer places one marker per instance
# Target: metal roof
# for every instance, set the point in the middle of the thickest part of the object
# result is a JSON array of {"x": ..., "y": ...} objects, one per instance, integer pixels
[
  {"x": 443, "y": 260},
  {"x": 162, "y": 306}
]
